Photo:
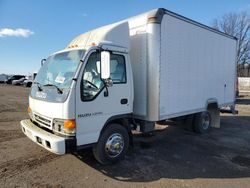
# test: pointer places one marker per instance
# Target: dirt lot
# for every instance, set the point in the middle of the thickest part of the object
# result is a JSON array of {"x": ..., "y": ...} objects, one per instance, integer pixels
[{"x": 172, "y": 157}]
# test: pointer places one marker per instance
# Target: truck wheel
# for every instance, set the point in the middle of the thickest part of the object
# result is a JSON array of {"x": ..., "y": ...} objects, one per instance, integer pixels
[
  {"x": 112, "y": 144},
  {"x": 202, "y": 122}
]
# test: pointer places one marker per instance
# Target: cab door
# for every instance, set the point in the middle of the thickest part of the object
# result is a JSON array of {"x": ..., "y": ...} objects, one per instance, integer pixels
[{"x": 95, "y": 103}]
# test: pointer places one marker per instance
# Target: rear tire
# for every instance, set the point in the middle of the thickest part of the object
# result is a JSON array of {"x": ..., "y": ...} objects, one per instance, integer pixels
[
  {"x": 202, "y": 123},
  {"x": 112, "y": 145}
]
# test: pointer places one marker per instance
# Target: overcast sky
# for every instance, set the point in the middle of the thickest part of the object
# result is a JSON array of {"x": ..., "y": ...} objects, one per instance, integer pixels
[{"x": 31, "y": 30}]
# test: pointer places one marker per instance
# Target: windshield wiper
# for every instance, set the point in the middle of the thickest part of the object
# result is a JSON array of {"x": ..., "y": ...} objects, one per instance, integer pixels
[
  {"x": 38, "y": 86},
  {"x": 58, "y": 89}
]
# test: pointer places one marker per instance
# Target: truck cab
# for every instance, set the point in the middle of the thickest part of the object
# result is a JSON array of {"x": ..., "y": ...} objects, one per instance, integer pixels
[{"x": 80, "y": 92}]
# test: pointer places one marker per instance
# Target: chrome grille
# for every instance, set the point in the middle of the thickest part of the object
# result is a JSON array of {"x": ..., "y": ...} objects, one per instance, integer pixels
[{"x": 42, "y": 120}]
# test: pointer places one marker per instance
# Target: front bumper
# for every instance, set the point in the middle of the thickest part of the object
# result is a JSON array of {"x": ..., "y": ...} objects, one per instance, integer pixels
[{"x": 49, "y": 141}]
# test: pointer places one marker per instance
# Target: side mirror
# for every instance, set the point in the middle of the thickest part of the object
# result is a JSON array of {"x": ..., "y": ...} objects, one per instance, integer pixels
[
  {"x": 42, "y": 62},
  {"x": 105, "y": 65}
]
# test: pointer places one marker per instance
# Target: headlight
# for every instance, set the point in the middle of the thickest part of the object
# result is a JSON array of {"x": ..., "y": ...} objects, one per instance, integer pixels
[{"x": 66, "y": 127}]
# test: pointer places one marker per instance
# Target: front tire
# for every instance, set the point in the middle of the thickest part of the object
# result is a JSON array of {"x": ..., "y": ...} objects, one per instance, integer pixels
[{"x": 112, "y": 145}]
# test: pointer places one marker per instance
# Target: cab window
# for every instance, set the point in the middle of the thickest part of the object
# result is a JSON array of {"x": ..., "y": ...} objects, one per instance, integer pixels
[
  {"x": 91, "y": 81},
  {"x": 117, "y": 69}
]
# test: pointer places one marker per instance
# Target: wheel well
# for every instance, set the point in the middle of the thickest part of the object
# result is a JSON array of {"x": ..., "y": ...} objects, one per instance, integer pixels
[
  {"x": 212, "y": 105},
  {"x": 121, "y": 121},
  {"x": 124, "y": 121}
]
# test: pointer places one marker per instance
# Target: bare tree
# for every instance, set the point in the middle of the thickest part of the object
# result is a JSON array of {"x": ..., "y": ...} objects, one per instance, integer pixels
[{"x": 237, "y": 25}]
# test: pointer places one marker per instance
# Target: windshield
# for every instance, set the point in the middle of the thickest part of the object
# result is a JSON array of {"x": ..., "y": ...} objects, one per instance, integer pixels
[{"x": 54, "y": 78}]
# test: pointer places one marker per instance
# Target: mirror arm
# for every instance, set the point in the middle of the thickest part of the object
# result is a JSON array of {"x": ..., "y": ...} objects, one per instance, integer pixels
[
  {"x": 106, "y": 93},
  {"x": 107, "y": 84}
]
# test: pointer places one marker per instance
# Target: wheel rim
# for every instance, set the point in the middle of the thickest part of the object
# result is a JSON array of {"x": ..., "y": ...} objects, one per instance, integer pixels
[
  {"x": 205, "y": 121},
  {"x": 114, "y": 145}
]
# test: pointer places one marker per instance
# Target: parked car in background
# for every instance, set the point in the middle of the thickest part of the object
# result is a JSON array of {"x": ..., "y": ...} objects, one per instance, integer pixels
[
  {"x": 29, "y": 81},
  {"x": 14, "y": 77},
  {"x": 3, "y": 78},
  {"x": 19, "y": 82}
]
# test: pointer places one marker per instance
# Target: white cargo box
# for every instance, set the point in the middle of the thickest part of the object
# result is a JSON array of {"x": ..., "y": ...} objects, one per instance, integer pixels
[{"x": 179, "y": 65}]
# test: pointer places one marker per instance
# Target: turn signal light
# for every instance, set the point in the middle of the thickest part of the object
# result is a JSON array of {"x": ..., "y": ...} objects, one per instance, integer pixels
[
  {"x": 29, "y": 110},
  {"x": 70, "y": 124}
]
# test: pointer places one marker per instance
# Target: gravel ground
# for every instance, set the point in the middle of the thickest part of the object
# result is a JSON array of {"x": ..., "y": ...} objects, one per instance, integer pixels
[{"x": 172, "y": 157}]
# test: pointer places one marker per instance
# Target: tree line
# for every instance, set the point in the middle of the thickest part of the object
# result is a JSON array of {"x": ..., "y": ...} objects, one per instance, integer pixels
[{"x": 237, "y": 25}]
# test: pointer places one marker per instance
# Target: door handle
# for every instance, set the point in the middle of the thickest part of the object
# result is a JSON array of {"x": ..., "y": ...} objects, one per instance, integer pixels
[{"x": 124, "y": 101}]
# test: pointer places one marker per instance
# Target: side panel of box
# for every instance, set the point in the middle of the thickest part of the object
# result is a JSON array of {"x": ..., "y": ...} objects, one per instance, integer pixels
[{"x": 196, "y": 65}]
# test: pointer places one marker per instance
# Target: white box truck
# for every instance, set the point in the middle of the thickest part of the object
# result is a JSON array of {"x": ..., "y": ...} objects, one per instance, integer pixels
[{"x": 129, "y": 75}]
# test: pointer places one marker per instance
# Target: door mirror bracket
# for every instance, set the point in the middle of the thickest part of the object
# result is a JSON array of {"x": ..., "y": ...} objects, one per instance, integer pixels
[{"x": 108, "y": 82}]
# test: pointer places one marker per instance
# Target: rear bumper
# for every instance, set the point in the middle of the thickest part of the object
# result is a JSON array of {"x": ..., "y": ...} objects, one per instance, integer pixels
[{"x": 56, "y": 144}]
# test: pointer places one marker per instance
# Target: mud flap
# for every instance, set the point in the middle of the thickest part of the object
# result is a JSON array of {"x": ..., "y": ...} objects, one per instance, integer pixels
[{"x": 215, "y": 116}]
